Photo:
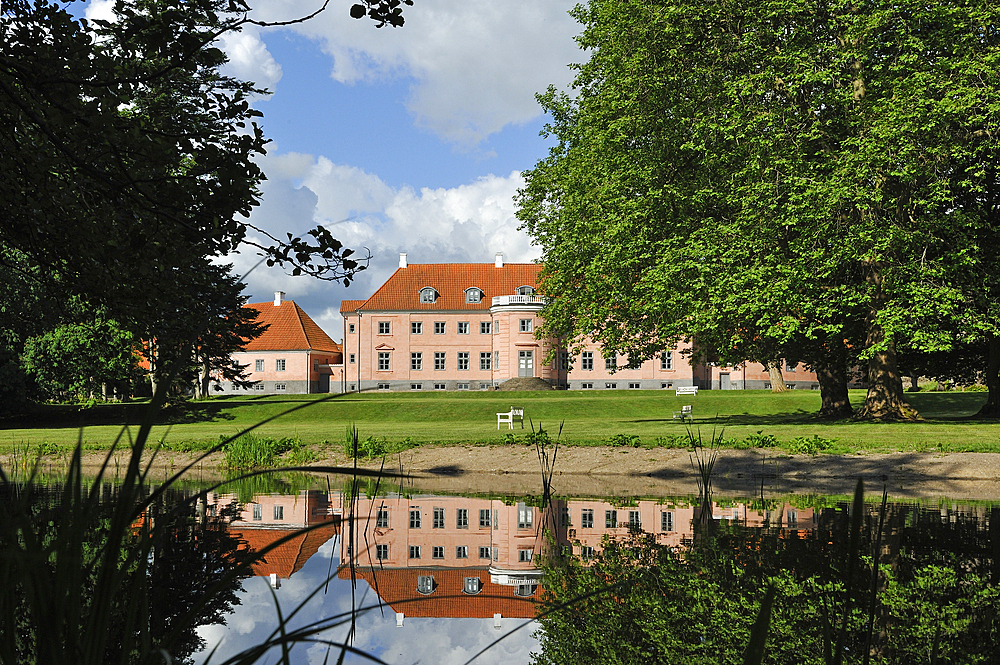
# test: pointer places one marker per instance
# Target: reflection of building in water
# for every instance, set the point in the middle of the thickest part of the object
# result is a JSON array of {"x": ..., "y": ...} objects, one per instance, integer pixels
[
  {"x": 268, "y": 518},
  {"x": 447, "y": 556}
]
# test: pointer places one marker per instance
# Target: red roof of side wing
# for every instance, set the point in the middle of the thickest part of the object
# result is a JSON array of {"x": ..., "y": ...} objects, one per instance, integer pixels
[
  {"x": 401, "y": 292},
  {"x": 290, "y": 329}
]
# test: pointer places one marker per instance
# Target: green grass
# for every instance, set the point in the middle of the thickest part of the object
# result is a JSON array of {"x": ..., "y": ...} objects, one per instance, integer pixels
[{"x": 590, "y": 417}]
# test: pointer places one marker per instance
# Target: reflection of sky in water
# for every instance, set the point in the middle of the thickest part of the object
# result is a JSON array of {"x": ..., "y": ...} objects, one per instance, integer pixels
[{"x": 420, "y": 640}]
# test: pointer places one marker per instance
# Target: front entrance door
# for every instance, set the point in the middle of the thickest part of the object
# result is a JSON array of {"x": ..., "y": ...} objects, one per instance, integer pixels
[
  {"x": 724, "y": 383},
  {"x": 525, "y": 364},
  {"x": 324, "y": 383}
]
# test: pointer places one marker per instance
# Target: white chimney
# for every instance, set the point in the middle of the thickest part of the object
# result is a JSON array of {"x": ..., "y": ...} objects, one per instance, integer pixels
[
  {"x": 498, "y": 263},
  {"x": 496, "y": 621},
  {"x": 275, "y": 582},
  {"x": 399, "y": 615},
  {"x": 279, "y": 297},
  {"x": 402, "y": 259}
]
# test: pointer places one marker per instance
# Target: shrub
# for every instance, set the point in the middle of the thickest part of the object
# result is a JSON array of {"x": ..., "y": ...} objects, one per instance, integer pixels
[
  {"x": 250, "y": 451},
  {"x": 367, "y": 448},
  {"x": 802, "y": 445},
  {"x": 672, "y": 441},
  {"x": 760, "y": 440},
  {"x": 628, "y": 440}
]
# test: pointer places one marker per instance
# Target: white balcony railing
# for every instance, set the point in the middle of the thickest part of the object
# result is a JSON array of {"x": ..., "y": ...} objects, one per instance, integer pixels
[{"x": 518, "y": 300}]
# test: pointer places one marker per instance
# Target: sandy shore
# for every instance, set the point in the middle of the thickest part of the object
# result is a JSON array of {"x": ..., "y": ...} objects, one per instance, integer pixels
[{"x": 659, "y": 472}]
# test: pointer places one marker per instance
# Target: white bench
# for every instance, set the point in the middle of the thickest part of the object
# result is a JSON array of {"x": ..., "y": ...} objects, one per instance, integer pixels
[
  {"x": 685, "y": 412},
  {"x": 515, "y": 412},
  {"x": 686, "y": 390}
]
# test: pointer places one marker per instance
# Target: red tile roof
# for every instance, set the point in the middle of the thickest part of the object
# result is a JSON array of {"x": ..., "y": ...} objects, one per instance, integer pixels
[
  {"x": 401, "y": 292},
  {"x": 397, "y": 587},
  {"x": 290, "y": 329},
  {"x": 289, "y": 557},
  {"x": 350, "y": 305}
]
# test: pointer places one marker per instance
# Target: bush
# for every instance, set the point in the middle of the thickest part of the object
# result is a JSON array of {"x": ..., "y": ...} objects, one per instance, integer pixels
[
  {"x": 628, "y": 440},
  {"x": 758, "y": 440},
  {"x": 367, "y": 448},
  {"x": 252, "y": 451},
  {"x": 672, "y": 441},
  {"x": 802, "y": 445}
]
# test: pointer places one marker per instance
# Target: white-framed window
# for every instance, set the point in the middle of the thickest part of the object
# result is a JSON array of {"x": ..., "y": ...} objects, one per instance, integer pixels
[
  {"x": 416, "y": 386},
  {"x": 610, "y": 519},
  {"x": 440, "y": 386},
  {"x": 484, "y": 552},
  {"x": 382, "y": 552},
  {"x": 258, "y": 512},
  {"x": 258, "y": 365},
  {"x": 428, "y": 294},
  {"x": 437, "y": 552},
  {"x": 425, "y": 584},
  {"x": 414, "y": 517},
  {"x": 461, "y": 386},
  {"x": 462, "y": 518},
  {"x": 438, "y": 518},
  {"x": 279, "y": 365},
  {"x": 667, "y": 520},
  {"x": 587, "y": 360},
  {"x": 587, "y": 385},
  {"x": 610, "y": 386},
  {"x": 525, "y": 516},
  {"x": 463, "y": 360},
  {"x": 586, "y": 552},
  {"x": 564, "y": 360},
  {"x": 463, "y": 327},
  {"x": 416, "y": 327},
  {"x": 439, "y": 357},
  {"x": 524, "y": 556},
  {"x": 790, "y": 366},
  {"x": 667, "y": 384},
  {"x": 634, "y": 386},
  {"x": 587, "y": 518},
  {"x": 382, "y": 518},
  {"x": 611, "y": 364},
  {"x": 525, "y": 291},
  {"x": 258, "y": 387},
  {"x": 473, "y": 585},
  {"x": 414, "y": 551},
  {"x": 484, "y": 518},
  {"x": 383, "y": 386},
  {"x": 633, "y": 519},
  {"x": 350, "y": 328},
  {"x": 667, "y": 360},
  {"x": 385, "y": 327},
  {"x": 439, "y": 327},
  {"x": 352, "y": 358},
  {"x": 473, "y": 295},
  {"x": 462, "y": 552},
  {"x": 485, "y": 327},
  {"x": 485, "y": 360},
  {"x": 526, "y": 325},
  {"x": 383, "y": 361},
  {"x": 279, "y": 386},
  {"x": 416, "y": 360}
]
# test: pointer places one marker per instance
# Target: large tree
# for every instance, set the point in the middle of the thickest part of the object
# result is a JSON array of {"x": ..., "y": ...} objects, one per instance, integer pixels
[{"x": 761, "y": 174}]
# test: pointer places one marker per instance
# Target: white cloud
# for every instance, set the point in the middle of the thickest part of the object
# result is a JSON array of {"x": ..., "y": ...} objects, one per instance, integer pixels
[
  {"x": 469, "y": 223},
  {"x": 475, "y": 66},
  {"x": 100, "y": 9},
  {"x": 249, "y": 59}
]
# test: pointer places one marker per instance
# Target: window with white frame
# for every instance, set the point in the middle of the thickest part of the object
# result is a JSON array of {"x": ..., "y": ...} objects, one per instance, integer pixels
[
  {"x": 462, "y": 552},
  {"x": 437, "y": 552},
  {"x": 667, "y": 360},
  {"x": 526, "y": 325},
  {"x": 564, "y": 360},
  {"x": 383, "y": 361},
  {"x": 383, "y": 386},
  {"x": 428, "y": 294},
  {"x": 484, "y": 518},
  {"x": 525, "y": 291},
  {"x": 416, "y": 360},
  {"x": 416, "y": 327},
  {"x": 473, "y": 295},
  {"x": 258, "y": 365},
  {"x": 439, "y": 327},
  {"x": 461, "y": 386},
  {"x": 415, "y": 517},
  {"x": 610, "y": 385},
  {"x": 587, "y": 518},
  {"x": 382, "y": 518},
  {"x": 350, "y": 328},
  {"x": 587, "y": 360},
  {"x": 525, "y": 516},
  {"x": 279, "y": 365},
  {"x": 463, "y": 360},
  {"x": 440, "y": 386},
  {"x": 425, "y": 584},
  {"x": 524, "y": 556},
  {"x": 385, "y": 327},
  {"x": 414, "y": 551},
  {"x": 610, "y": 519},
  {"x": 485, "y": 360},
  {"x": 258, "y": 387},
  {"x": 463, "y": 327},
  {"x": 352, "y": 358},
  {"x": 586, "y": 385},
  {"x": 634, "y": 386},
  {"x": 439, "y": 360},
  {"x": 258, "y": 513},
  {"x": 667, "y": 520},
  {"x": 611, "y": 364},
  {"x": 472, "y": 586},
  {"x": 485, "y": 327},
  {"x": 381, "y": 552},
  {"x": 413, "y": 386},
  {"x": 279, "y": 386},
  {"x": 462, "y": 518},
  {"x": 484, "y": 552},
  {"x": 633, "y": 519},
  {"x": 586, "y": 552},
  {"x": 438, "y": 518}
]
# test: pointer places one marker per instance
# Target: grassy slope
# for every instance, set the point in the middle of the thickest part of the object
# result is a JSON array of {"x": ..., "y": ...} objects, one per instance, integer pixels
[{"x": 590, "y": 418}]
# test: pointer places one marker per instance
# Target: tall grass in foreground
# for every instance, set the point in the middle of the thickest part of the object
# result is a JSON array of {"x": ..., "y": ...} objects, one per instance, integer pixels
[{"x": 75, "y": 570}]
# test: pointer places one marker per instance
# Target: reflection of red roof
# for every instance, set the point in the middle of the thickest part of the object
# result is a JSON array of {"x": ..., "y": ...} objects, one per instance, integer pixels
[
  {"x": 289, "y": 557},
  {"x": 397, "y": 587},
  {"x": 402, "y": 290},
  {"x": 289, "y": 329}
]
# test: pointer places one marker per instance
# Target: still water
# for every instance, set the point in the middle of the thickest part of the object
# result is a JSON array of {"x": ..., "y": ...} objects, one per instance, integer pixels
[{"x": 409, "y": 577}]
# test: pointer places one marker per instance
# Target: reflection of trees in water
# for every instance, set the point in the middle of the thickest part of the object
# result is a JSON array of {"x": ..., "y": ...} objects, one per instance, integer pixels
[
  {"x": 936, "y": 595},
  {"x": 59, "y": 587}
]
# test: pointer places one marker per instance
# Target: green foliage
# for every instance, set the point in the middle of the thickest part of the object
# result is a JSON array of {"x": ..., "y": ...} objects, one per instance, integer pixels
[
  {"x": 756, "y": 440},
  {"x": 627, "y": 440},
  {"x": 809, "y": 445},
  {"x": 253, "y": 451},
  {"x": 370, "y": 447},
  {"x": 672, "y": 441}
]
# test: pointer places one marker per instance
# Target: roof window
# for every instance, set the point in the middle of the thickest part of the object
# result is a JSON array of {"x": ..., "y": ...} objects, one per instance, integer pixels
[
  {"x": 473, "y": 295},
  {"x": 525, "y": 291},
  {"x": 428, "y": 294}
]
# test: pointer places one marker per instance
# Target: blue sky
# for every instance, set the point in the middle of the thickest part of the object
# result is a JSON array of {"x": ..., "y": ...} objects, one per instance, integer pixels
[{"x": 399, "y": 140}]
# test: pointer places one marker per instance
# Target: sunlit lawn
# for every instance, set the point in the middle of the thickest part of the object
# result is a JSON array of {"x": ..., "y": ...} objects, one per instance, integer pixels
[{"x": 588, "y": 418}]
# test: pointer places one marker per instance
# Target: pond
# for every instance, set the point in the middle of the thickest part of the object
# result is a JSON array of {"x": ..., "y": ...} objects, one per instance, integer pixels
[{"x": 407, "y": 576}]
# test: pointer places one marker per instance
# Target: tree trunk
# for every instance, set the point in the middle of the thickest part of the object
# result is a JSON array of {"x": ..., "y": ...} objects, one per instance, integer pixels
[
  {"x": 777, "y": 380},
  {"x": 885, "y": 386},
  {"x": 832, "y": 374},
  {"x": 205, "y": 378},
  {"x": 992, "y": 407}
]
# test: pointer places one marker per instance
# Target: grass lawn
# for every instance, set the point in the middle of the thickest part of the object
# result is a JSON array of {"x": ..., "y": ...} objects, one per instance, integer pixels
[{"x": 589, "y": 417}]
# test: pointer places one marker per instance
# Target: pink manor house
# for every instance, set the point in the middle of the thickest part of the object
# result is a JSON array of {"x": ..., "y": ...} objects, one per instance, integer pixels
[{"x": 470, "y": 326}]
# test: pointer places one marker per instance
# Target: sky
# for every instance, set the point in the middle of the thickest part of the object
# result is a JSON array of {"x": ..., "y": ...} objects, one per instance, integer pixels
[
  {"x": 419, "y": 640},
  {"x": 410, "y": 139}
]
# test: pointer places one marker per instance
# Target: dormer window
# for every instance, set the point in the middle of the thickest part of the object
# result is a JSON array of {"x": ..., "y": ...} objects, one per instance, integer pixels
[
  {"x": 525, "y": 291},
  {"x": 473, "y": 585},
  {"x": 428, "y": 295},
  {"x": 525, "y": 590},
  {"x": 425, "y": 584},
  {"x": 473, "y": 295}
]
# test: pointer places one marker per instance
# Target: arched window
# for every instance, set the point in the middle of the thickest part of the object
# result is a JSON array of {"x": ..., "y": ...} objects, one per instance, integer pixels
[
  {"x": 473, "y": 295},
  {"x": 473, "y": 585},
  {"x": 525, "y": 590},
  {"x": 425, "y": 584},
  {"x": 525, "y": 291},
  {"x": 428, "y": 294}
]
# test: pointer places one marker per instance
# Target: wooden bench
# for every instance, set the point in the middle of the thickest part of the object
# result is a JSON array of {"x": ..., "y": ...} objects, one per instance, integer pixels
[
  {"x": 686, "y": 390},
  {"x": 685, "y": 412},
  {"x": 515, "y": 412}
]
